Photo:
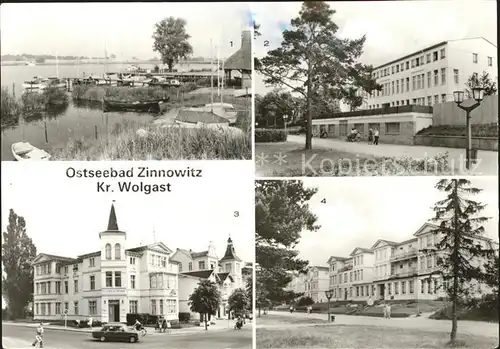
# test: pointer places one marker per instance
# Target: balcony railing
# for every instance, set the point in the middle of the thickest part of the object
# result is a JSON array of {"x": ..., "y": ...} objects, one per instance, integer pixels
[
  {"x": 404, "y": 273},
  {"x": 346, "y": 268},
  {"x": 404, "y": 255}
]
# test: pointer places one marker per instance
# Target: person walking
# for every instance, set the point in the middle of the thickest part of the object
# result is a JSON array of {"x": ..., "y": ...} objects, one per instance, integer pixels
[
  {"x": 90, "y": 322},
  {"x": 39, "y": 336},
  {"x": 376, "y": 136},
  {"x": 169, "y": 327},
  {"x": 370, "y": 135},
  {"x": 388, "y": 310}
]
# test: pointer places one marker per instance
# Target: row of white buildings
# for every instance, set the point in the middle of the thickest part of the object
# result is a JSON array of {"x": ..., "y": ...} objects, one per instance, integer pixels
[
  {"x": 109, "y": 283},
  {"x": 387, "y": 270}
]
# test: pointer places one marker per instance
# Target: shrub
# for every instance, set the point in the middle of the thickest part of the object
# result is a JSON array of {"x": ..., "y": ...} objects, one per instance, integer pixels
[
  {"x": 10, "y": 108},
  {"x": 184, "y": 317},
  {"x": 268, "y": 135},
  {"x": 478, "y": 130}
]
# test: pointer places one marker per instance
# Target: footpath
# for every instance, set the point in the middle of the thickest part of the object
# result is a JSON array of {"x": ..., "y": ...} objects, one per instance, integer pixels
[
  {"x": 219, "y": 326},
  {"x": 479, "y": 328},
  {"x": 487, "y": 160}
]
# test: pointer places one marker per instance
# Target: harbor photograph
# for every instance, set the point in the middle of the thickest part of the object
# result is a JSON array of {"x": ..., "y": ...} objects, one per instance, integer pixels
[{"x": 152, "y": 81}]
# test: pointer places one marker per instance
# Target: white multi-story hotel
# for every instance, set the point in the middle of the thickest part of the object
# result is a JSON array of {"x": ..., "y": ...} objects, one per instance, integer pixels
[
  {"x": 316, "y": 283},
  {"x": 109, "y": 283},
  {"x": 429, "y": 76},
  {"x": 393, "y": 270}
]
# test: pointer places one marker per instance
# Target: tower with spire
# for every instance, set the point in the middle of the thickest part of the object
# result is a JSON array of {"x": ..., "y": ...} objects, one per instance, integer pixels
[
  {"x": 231, "y": 263},
  {"x": 112, "y": 240}
]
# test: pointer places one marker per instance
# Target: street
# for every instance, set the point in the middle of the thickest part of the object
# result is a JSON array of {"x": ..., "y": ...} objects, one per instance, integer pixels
[{"x": 17, "y": 337}]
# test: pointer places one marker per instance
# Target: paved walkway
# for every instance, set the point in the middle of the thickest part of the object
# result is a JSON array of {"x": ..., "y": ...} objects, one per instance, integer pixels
[
  {"x": 487, "y": 160},
  {"x": 478, "y": 328}
]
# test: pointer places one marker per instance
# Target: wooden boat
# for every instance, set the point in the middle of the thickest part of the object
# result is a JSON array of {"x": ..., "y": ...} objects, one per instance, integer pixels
[
  {"x": 147, "y": 106},
  {"x": 23, "y": 151}
]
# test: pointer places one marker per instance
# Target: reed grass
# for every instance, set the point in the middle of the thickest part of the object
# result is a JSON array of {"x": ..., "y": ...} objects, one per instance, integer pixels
[
  {"x": 123, "y": 143},
  {"x": 10, "y": 108}
]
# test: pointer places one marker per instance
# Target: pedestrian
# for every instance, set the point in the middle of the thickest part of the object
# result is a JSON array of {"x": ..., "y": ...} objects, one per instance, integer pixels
[
  {"x": 39, "y": 336},
  {"x": 90, "y": 322},
  {"x": 370, "y": 135},
  {"x": 376, "y": 136},
  {"x": 169, "y": 327},
  {"x": 385, "y": 310},
  {"x": 388, "y": 310}
]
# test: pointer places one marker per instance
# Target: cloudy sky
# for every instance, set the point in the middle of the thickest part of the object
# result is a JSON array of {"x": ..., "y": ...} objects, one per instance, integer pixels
[
  {"x": 64, "y": 216},
  {"x": 83, "y": 28},
  {"x": 393, "y": 28},
  {"x": 358, "y": 211}
]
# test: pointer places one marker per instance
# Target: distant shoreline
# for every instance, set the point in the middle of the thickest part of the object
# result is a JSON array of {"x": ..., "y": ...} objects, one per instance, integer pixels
[{"x": 15, "y": 63}]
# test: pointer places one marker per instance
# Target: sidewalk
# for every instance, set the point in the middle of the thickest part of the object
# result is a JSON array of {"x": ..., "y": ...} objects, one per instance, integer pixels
[
  {"x": 15, "y": 343},
  {"x": 487, "y": 166},
  {"x": 219, "y": 326}
]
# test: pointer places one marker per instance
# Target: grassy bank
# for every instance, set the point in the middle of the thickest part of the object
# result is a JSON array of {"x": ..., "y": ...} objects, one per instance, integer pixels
[
  {"x": 123, "y": 143},
  {"x": 362, "y": 337},
  {"x": 10, "y": 108}
]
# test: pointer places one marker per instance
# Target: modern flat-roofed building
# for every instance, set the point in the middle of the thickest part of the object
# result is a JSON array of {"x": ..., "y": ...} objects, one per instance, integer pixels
[{"x": 429, "y": 76}]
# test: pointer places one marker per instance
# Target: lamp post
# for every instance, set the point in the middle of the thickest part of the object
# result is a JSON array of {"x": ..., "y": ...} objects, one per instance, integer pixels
[
  {"x": 329, "y": 294},
  {"x": 285, "y": 117},
  {"x": 458, "y": 97}
]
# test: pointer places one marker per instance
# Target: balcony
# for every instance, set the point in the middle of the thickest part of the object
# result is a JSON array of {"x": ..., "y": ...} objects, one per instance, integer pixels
[
  {"x": 404, "y": 273},
  {"x": 412, "y": 253},
  {"x": 346, "y": 268}
]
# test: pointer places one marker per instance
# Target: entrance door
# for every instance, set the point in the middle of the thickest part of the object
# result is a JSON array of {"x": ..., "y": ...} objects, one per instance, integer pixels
[
  {"x": 343, "y": 128},
  {"x": 114, "y": 311},
  {"x": 382, "y": 291},
  {"x": 345, "y": 294}
]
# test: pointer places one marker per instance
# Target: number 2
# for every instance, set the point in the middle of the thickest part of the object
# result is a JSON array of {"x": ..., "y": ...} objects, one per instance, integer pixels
[
  {"x": 266, "y": 43},
  {"x": 323, "y": 201}
]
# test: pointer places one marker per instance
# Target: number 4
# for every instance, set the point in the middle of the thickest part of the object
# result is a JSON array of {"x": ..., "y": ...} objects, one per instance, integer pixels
[{"x": 323, "y": 201}]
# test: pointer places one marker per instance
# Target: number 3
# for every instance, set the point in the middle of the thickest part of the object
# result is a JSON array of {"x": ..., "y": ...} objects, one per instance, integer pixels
[{"x": 236, "y": 213}]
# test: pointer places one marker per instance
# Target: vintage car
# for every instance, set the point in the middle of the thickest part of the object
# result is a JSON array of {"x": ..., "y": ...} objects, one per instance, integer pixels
[{"x": 116, "y": 332}]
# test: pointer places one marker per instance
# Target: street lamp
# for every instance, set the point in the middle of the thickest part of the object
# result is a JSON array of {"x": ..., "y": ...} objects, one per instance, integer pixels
[
  {"x": 458, "y": 97},
  {"x": 285, "y": 117},
  {"x": 329, "y": 294}
]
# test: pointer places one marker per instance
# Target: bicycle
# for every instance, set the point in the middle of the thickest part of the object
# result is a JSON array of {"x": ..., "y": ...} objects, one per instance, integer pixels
[{"x": 143, "y": 331}]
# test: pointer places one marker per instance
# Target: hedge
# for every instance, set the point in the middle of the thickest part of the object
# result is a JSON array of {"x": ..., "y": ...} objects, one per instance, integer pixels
[
  {"x": 184, "y": 317},
  {"x": 478, "y": 130},
  {"x": 268, "y": 135}
]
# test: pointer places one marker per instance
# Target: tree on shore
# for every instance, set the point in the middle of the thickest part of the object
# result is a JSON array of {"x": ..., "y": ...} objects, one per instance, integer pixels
[
  {"x": 462, "y": 259},
  {"x": 484, "y": 81},
  {"x": 249, "y": 291},
  {"x": 281, "y": 214},
  {"x": 315, "y": 62},
  {"x": 171, "y": 41},
  {"x": 205, "y": 300},
  {"x": 238, "y": 301},
  {"x": 18, "y": 251}
]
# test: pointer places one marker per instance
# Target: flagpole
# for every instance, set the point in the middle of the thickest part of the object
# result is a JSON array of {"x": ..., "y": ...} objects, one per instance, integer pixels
[
  {"x": 218, "y": 75},
  {"x": 211, "y": 76}
]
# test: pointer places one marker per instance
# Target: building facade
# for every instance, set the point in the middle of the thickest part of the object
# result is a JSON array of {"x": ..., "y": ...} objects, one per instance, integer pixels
[
  {"x": 298, "y": 283},
  {"x": 429, "y": 76},
  {"x": 316, "y": 283},
  {"x": 393, "y": 270},
  {"x": 109, "y": 283}
]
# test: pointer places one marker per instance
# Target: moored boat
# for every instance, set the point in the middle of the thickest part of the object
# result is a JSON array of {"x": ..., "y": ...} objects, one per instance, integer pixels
[
  {"x": 147, "y": 106},
  {"x": 34, "y": 85},
  {"x": 24, "y": 151}
]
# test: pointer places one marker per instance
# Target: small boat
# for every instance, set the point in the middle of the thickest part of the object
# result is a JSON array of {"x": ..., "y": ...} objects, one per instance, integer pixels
[
  {"x": 34, "y": 85},
  {"x": 54, "y": 83},
  {"x": 24, "y": 151},
  {"x": 147, "y": 106},
  {"x": 30, "y": 63}
]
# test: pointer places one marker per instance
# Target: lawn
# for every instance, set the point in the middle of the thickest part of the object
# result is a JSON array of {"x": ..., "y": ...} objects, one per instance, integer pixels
[
  {"x": 339, "y": 336},
  {"x": 288, "y": 159}
]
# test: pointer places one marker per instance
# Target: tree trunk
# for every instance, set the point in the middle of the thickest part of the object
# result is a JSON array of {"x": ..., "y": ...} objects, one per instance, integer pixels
[
  {"x": 205, "y": 320},
  {"x": 309, "y": 108},
  {"x": 259, "y": 311},
  {"x": 456, "y": 247}
]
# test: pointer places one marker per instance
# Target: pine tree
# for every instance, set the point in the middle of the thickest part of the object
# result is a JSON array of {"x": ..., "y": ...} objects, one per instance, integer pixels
[{"x": 460, "y": 256}]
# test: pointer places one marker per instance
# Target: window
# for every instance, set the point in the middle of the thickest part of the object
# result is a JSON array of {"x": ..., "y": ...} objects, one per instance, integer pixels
[
  {"x": 429, "y": 287},
  {"x": 108, "y": 251},
  {"x": 171, "y": 306},
  {"x": 490, "y": 61},
  {"x": 201, "y": 265},
  {"x": 153, "y": 307},
  {"x": 436, "y": 99},
  {"x": 91, "y": 262},
  {"x": 443, "y": 76},
  {"x": 422, "y": 263},
  {"x": 357, "y": 291},
  {"x": 164, "y": 261},
  {"x": 75, "y": 268},
  {"x": 361, "y": 274},
  {"x": 429, "y": 262},
  {"x": 397, "y": 68},
  {"x": 434, "y": 56},
  {"x": 407, "y": 84},
  {"x": 75, "y": 305},
  {"x": 436, "y": 77},
  {"x": 58, "y": 269},
  {"x": 43, "y": 308},
  {"x": 402, "y": 66},
  {"x": 350, "y": 276},
  {"x": 66, "y": 270},
  {"x": 190, "y": 266},
  {"x": 474, "y": 58},
  {"x": 455, "y": 76},
  {"x": 410, "y": 286},
  {"x": 397, "y": 86},
  {"x": 132, "y": 281},
  {"x": 428, "y": 58},
  {"x": 413, "y": 63},
  {"x": 443, "y": 53},
  {"x": 118, "y": 279},
  {"x": 118, "y": 251},
  {"x": 66, "y": 287},
  {"x": 132, "y": 260},
  {"x": 58, "y": 287},
  {"x": 392, "y": 72},
  {"x": 392, "y": 87},
  {"x": 152, "y": 281},
  {"x": 403, "y": 287},
  {"x": 428, "y": 79},
  {"x": 75, "y": 285},
  {"x": 407, "y": 65},
  {"x": 92, "y": 307},
  {"x": 228, "y": 267},
  {"x": 429, "y": 100},
  {"x": 66, "y": 306},
  {"x": 443, "y": 98},
  {"x": 161, "y": 307},
  {"x": 413, "y": 83},
  {"x": 92, "y": 282},
  {"x": 109, "y": 279},
  {"x": 58, "y": 308},
  {"x": 396, "y": 288},
  {"x": 132, "y": 305},
  {"x": 392, "y": 127}
]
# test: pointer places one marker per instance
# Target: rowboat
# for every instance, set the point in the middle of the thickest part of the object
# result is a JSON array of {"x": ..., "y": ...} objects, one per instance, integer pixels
[
  {"x": 23, "y": 151},
  {"x": 148, "y": 106}
]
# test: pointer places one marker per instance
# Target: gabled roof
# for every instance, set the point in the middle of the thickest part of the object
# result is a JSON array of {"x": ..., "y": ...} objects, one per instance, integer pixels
[
  {"x": 45, "y": 257},
  {"x": 241, "y": 59},
  {"x": 202, "y": 274},
  {"x": 426, "y": 225},
  {"x": 205, "y": 117},
  {"x": 407, "y": 241},
  {"x": 388, "y": 242},
  {"x": 360, "y": 249},
  {"x": 155, "y": 246},
  {"x": 224, "y": 276},
  {"x": 192, "y": 254},
  {"x": 335, "y": 258},
  {"x": 230, "y": 252}
]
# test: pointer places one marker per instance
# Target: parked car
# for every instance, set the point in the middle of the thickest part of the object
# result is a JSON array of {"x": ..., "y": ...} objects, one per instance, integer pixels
[{"x": 116, "y": 332}]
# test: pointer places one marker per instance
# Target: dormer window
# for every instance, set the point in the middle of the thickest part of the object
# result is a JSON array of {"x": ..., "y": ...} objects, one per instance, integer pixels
[{"x": 75, "y": 267}]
